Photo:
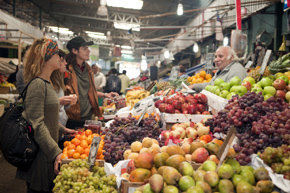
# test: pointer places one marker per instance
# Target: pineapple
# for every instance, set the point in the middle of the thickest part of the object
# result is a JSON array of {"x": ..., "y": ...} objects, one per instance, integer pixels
[{"x": 255, "y": 73}]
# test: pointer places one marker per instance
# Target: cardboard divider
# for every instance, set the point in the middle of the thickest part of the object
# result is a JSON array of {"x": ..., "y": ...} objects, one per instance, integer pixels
[{"x": 129, "y": 187}]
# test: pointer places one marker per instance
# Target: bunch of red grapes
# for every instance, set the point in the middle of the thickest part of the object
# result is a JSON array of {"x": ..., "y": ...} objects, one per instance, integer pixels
[
  {"x": 124, "y": 131},
  {"x": 259, "y": 123}
]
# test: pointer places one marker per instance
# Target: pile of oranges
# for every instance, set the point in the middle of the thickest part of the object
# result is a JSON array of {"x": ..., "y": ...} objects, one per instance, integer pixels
[
  {"x": 79, "y": 146},
  {"x": 200, "y": 77}
]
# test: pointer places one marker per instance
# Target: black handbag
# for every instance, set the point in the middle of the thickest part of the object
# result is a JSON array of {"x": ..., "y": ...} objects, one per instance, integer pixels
[{"x": 16, "y": 136}]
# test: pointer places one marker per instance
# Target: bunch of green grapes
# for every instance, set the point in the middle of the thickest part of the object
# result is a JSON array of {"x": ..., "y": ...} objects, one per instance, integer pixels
[{"x": 76, "y": 177}]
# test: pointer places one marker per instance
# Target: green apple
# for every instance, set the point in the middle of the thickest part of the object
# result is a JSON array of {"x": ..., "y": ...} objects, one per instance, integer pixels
[
  {"x": 259, "y": 84},
  {"x": 224, "y": 93},
  {"x": 233, "y": 89},
  {"x": 285, "y": 78},
  {"x": 229, "y": 96},
  {"x": 241, "y": 90},
  {"x": 225, "y": 86},
  {"x": 209, "y": 88},
  {"x": 218, "y": 81},
  {"x": 214, "y": 88},
  {"x": 257, "y": 89},
  {"x": 267, "y": 96},
  {"x": 235, "y": 81},
  {"x": 266, "y": 81},
  {"x": 277, "y": 75},
  {"x": 217, "y": 92},
  {"x": 269, "y": 90},
  {"x": 250, "y": 80}
]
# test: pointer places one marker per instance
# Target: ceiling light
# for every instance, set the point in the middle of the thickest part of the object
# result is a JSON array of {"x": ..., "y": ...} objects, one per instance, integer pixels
[
  {"x": 226, "y": 41},
  {"x": 126, "y": 47},
  {"x": 127, "y": 26},
  {"x": 166, "y": 54},
  {"x": 195, "y": 47},
  {"x": 126, "y": 52},
  {"x": 127, "y": 4},
  {"x": 61, "y": 30},
  {"x": 95, "y": 33},
  {"x": 102, "y": 10},
  {"x": 179, "y": 9}
]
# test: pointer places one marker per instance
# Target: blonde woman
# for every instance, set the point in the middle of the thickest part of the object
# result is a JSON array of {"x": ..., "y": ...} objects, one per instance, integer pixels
[{"x": 41, "y": 107}]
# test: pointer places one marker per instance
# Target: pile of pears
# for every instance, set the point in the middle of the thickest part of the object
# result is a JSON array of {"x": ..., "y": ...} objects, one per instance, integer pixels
[{"x": 230, "y": 177}]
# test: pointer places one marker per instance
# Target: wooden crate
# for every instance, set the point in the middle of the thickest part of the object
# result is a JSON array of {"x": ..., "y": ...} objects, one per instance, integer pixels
[{"x": 129, "y": 187}]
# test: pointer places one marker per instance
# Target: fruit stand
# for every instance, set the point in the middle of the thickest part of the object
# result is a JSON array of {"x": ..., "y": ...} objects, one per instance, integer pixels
[{"x": 232, "y": 137}]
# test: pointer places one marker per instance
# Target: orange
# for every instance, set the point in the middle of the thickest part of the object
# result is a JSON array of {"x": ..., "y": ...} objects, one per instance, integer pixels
[
  {"x": 208, "y": 76},
  {"x": 66, "y": 143},
  {"x": 78, "y": 136},
  {"x": 71, "y": 146},
  {"x": 79, "y": 149},
  {"x": 206, "y": 138},
  {"x": 70, "y": 153},
  {"x": 87, "y": 151},
  {"x": 90, "y": 139},
  {"x": 88, "y": 132},
  {"x": 76, "y": 155},
  {"x": 83, "y": 156},
  {"x": 83, "y": 137},
  {"x": 202, "y": 73},
  {"x": 84, "y": 144},
  {"x": 64, "y": 156},
  {"x": 75, "y": 141}
]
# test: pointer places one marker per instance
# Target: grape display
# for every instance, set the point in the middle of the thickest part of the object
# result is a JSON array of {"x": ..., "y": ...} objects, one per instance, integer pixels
[
  {"x": 259, "y": 123},
  {"x": 278, "y": 159},
  {"x": 76, "y": 177},
  {"x": 124, "y": 131}
]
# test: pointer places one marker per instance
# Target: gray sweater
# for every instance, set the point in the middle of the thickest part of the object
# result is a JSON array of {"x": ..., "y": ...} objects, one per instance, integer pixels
[{"x": 233, "y": 69}]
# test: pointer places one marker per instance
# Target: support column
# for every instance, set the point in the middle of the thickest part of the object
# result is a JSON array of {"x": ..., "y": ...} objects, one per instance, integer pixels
[
  {"x": 238, "y": 15},
  {"x": 278, "y": 26},
  {"x": 40, "y": 18}
]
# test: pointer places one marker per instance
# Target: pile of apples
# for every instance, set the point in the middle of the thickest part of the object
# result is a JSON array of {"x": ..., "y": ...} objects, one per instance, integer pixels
[
  {"x": 272, "y": 86},
  {"x": 189, "y": 104},
  {"x": 185, "y": 132}
]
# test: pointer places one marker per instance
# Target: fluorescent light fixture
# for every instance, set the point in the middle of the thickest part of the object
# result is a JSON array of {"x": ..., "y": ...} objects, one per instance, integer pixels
[
  {"x": 166, "y": 54},
  {"x": 143, "y": 65},
  {"x": 61, "y": 30},
  {"x": 127, "y": 26},
  {"x": 126, "y": 52},
  {"x": 97, "y": 35},
  {"x": 128, "y": 56},
  {"x": 179, "y": 9},
  {"x": 117, "y": 45},
  {"x": 226, "y": 41},
  {"x": 195, "y": 47},
  {"x": 126, "y": 47},
  {"x": 127, "y": 4}
]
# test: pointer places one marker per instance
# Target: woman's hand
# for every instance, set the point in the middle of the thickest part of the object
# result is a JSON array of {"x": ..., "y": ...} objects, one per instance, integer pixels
[
  {"x": 57, "y": 163},
  {"x": 65, "y": 100},
  {"x": 70, "y": 131},
  {"x": 112, "y": 94}
]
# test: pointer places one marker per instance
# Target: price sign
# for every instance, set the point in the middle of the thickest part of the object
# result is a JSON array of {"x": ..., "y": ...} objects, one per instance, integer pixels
[
  {"x": 249, "y": 64},
  {"x": 265, "y": 62}
]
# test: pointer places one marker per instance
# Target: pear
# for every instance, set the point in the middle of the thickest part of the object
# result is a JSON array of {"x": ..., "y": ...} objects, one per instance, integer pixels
[
  {"x": 171, "y": 176},
  {"x": 156, "y": 183}
]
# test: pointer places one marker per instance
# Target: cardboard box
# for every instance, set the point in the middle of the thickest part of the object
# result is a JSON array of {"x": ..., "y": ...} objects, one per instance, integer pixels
[
  {"x": 223, "y": 151},
  {"x": 215, "y": 102},
  {"x": 129, "y": 187}
]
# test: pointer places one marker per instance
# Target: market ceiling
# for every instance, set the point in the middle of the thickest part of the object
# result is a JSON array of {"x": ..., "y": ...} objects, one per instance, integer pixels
[{"x": 158, "y": 20}]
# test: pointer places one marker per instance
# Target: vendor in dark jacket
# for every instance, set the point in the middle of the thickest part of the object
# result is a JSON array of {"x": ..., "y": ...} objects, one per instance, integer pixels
[
  {"x": 81, "y": 82},
  {"x": 228, "y": 66}
]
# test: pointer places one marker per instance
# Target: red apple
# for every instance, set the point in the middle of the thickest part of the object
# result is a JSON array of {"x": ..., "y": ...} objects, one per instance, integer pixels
[
  {"x": 247, "y": 84},
  {"x": 184, "y": 107},
  {"x": 206, "y": 113},
  {"x": 168, "y": 100},
  {"x": 280, "y": 94},
  {"x": 192, "y": 108},
  {"x": 177, "y": 111},
  {"x": 169, "y": 109},
  {"x": 214, "y": 158},
  {"x": 288, "y": 87},
  {"x": 162, "y": 107},
  {"x": 157, "y": 103},
  {"x": 189, "y": 98},
  {"x": 200, "y": 108},
  {"x": 279, "y": 84},
  {"x": 181, "y": 99},
  {"x": 176, "y": 104},
  {"x": 185, "y": 112},
  {"x": 201, "y": 98},
  {"x": 165, "y": 134},
  {"x": 192, "y": 124}
]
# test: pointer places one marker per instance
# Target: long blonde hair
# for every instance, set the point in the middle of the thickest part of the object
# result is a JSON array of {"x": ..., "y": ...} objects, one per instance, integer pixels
[
  {"x": 34, "y": 59},
  {"x": 57, "y": 79}
]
